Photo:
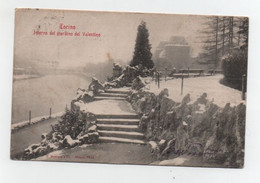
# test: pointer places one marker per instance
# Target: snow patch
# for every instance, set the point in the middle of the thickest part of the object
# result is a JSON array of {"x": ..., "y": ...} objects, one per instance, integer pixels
[
  {"x": 184, "y": 123},
  {"x": 85, "y": 145},
  {"x": 109, "y": 107},
  {"x": 196, "y": 87},
  {"x": 162, "y": 142},
  {"x": 92, "y": 128},
  {"x": 82, "y": 106},
  {"x": 202, "y": 109},
  {"x": 68, "y": 140},
  {"x": 153, "y": 144},
  {"x": 175, "y": 161}
]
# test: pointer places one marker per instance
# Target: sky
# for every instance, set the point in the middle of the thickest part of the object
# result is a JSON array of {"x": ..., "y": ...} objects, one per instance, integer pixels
[{"x": 117, "y": 35}]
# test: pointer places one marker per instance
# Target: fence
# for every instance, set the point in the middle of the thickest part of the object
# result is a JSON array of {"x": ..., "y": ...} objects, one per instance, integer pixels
[
  {"x": 48, "y": 116},
  {"x": 187, "y": 73}
]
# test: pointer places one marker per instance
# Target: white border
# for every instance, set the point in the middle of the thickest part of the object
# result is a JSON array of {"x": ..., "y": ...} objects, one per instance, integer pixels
[{"x": 28, "y": 171}]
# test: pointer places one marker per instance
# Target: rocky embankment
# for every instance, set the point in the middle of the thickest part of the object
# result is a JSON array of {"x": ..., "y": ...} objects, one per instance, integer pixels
[
  {"x": 198, "y": 128},
  {"x": 78, "y": 125}
]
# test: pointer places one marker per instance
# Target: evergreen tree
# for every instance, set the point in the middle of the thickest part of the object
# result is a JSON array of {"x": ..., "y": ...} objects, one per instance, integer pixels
[
  {"x": 211, "y": 40},
  {"x": 142, "y": 52},
  {"x": 220, "y": 35},
  {"x": 243, "y": 31}
]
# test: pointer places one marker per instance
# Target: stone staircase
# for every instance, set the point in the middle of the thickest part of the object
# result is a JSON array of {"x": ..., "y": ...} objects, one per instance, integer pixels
[
  {"x": 112, "y": 94},
  {"x": 118, "y": 127}
]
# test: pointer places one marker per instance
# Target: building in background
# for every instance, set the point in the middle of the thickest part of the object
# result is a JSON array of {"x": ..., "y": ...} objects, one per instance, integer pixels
[{"x": 173, "y": 54}]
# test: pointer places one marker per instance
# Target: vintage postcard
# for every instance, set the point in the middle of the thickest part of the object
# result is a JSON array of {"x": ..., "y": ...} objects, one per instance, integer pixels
[{"x": 129, "y": 88}]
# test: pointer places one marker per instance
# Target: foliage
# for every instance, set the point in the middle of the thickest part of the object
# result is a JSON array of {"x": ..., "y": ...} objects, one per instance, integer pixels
[
  {"x": 71, "y": 123},
  {"x": 243, "y": 30},
  {"x": 142, "y": 53},
  {"x": 234, "y": 67},
  {"x": 220, "y": 35}
]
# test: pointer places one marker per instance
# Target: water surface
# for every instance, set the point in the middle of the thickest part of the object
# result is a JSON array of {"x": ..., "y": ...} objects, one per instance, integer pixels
[{"x": 41, "y": 94}]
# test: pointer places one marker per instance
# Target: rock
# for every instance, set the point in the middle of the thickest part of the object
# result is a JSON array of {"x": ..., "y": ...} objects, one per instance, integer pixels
[
  {"x": 110, "y": 85},
  {"x": 40, "y": 151},
  {"x": 44, "y": 138},
  {"x": 93, "y": 128},
  {"x": 195, "y": 149},
  {"x": 154, "y": 146},
  {"x": 93, "y": 137},
  {"x": 186, "y": 99},
  {"x": 117, "y": 70},
  {"x": 28, "y": 151},
  {"x": 164, "y": 92},
  {"x": 143, "y": 123},
  {"x": 35, "y": 150},
  {"x": 196, "y": 128},
  {"x": 53, "y": 146},
  {"x": 138, "y": 83},
  {"x": 88, "y": 96},
  {"x": 84, "y": 139},
  {"x": 140, "y": 105},
  {"x": 202, "y": 99},
  {"x": 56, "y": 137},
  {"x": 184, "y": 123},
  {"x": 69, "y": 142},
  {"x": 201, "y": 109},
  {"x": 121, "y": 77},
  {"x": 225, "y": 145},
  {"x": 95, "y": 86},
  {"x": 182, "y": 138},
  {"x": 120, "y": 81},
  {"x": 85, "y": 96},
  {"x": 164, "y": 106},
  {"x": 162, "y": 144},
  {"x": 170, "y": 147},
  {"x": 80, "y": 106},
  {"x": 130, "y": 73}
]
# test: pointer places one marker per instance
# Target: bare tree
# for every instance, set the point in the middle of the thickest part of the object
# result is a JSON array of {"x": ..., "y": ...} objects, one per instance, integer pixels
[{"x": 220, "y": 35}]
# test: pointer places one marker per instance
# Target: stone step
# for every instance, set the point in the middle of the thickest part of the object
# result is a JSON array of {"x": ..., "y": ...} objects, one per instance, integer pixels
[
  {"x": 114, "y": 90},
  {"x": 122, "y": 140},
  {"x": 108, "y": 98},
  {"x": 118, "y": 121},
  {"x": 112, "y": 95},
  {"x": 112, "y": 127},
  {"x": 121, "y": 134},
  {"x": 117, "y": 116}
]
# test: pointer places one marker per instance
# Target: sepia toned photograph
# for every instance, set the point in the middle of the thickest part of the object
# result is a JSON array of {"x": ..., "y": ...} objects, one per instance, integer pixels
[{"x": 129, "y": 88}]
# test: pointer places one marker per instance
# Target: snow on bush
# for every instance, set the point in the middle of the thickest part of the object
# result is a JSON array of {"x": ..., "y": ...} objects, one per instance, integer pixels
[{"x": 197, "y": 127}]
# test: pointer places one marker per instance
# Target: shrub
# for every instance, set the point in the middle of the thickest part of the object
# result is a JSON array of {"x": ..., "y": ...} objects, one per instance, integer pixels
[
  {"x": 234, "y": 67},
  {"x": 71, "y": 123}
]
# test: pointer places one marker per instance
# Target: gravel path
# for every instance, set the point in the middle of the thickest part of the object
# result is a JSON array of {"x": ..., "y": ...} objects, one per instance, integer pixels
[
  {"x": 115, "y": 153},
  {"x": 22, "y": 138}
]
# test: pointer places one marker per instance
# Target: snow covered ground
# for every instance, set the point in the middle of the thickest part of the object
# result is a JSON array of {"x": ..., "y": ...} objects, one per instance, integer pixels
[
  {"x": 24, "y": 137},
  {"x": 110, "y": 107},
  {"x": 196, "y": 87}
]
